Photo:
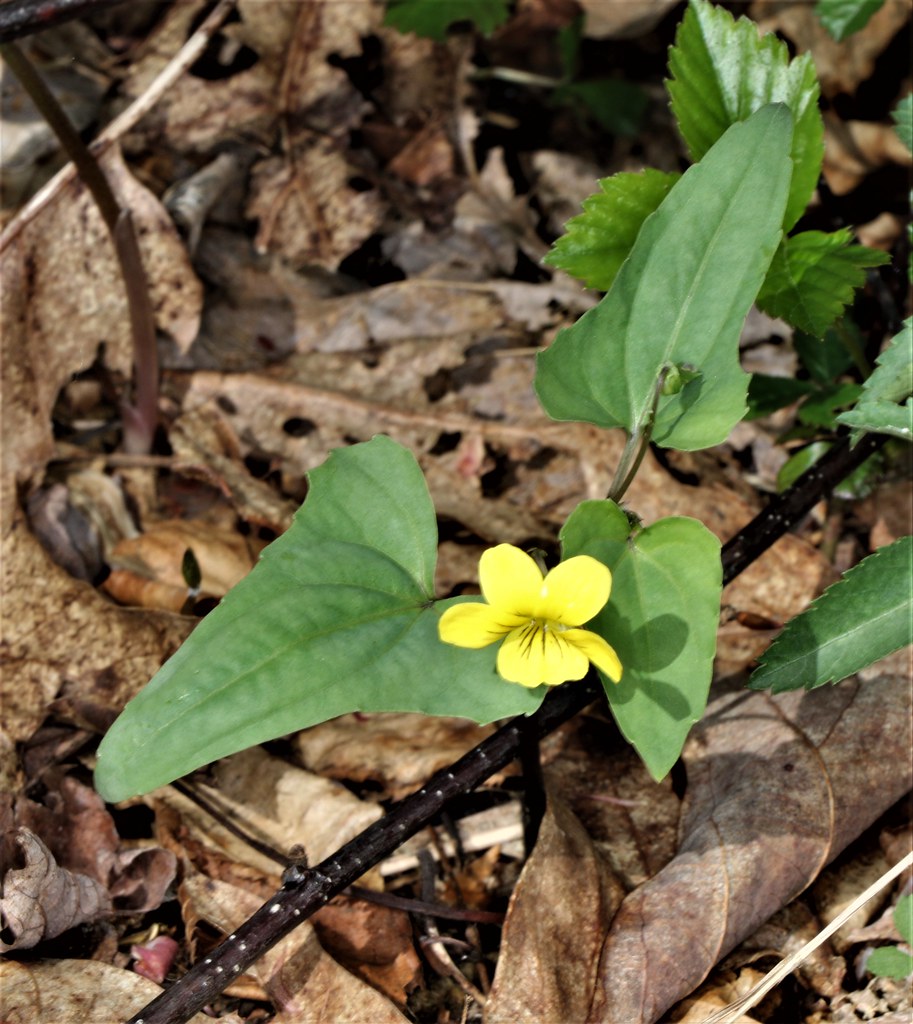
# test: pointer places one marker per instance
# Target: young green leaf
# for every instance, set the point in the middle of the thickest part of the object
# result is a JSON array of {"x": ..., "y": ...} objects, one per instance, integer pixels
[
  {"x": 903, "y": 120},
  {"x": 813, "y": 276},
  {"x": 432, "y": 18},
  {"x": 878, "y": 410},
  {"x": 338, "y": 616},
  {"x": 890, "y": 961},
  {"x": 722, "y": 72},
  {"x": 598, "y": 241},
  {"x": 842, "y": 18},
  {"x": 662, "y": 620},
  {"x": 681, "y": 297},
  {"x": 861, "y": 618},
  {"x": 826, "y": 358}
]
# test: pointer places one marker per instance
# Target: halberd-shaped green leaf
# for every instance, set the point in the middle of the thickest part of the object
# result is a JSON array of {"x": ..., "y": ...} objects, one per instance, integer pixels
[
  {"x": 661, "y": 619},
  {"x": 813, "y": 277},
  {"x": 722, "y": 72},
  {"x": 432, "y": 18},
  {"x": 598, "y": 241},
  {"x": 844, "y": 17},
  {"x": 680, "y": 298},
  {"x": 338, "y": 616},
  {"x": 863, "y": 617},
  {"x": 878, "y": 410}
]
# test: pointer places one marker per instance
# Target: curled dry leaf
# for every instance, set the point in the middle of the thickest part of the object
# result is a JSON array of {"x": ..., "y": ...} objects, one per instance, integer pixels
[
  {"x": 71, "y": 991},
  {"x": 41, "y": 899},
  {"x": 777, "y": 787}
]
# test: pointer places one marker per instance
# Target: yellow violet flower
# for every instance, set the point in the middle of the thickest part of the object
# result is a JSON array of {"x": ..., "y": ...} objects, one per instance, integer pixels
[{"x": 536, "y": 617}]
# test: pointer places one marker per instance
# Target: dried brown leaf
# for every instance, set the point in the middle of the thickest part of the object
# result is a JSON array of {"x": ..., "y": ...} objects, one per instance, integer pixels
[
  {"x": 74, "y": 992},
  {"x": 41, "y": 899}
]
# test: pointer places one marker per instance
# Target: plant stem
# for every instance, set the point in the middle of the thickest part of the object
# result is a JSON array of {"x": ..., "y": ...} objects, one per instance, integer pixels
[
  {"x": 139, "y": 420},
  {"x": 637, "y": 444},
  {"x": 24, "y": 17}
]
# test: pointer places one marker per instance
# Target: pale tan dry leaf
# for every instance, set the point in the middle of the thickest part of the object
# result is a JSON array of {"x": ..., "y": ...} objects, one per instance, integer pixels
[
  {"x": 397, "y": 751},
  {"x": 77, "y": 992},
  {"x": 777, "y": 787},
  {"x": 622, "y": 20},
  {"x": 840, "y": 67},
  {"x": 714, "y": 995},
  {"x": 837, "y": 887},
  {"x": 853, "y": 149},
  {"x": 41, "y": 899},
  {"x": 197, "y": 113},
  {"x": 63, "y": 297},
  {"x": 276, "y": 802},
  {"x": 558, "y": 914},
  {"x": 155, "y": 556},
  {"x": 304, "y": 982}
]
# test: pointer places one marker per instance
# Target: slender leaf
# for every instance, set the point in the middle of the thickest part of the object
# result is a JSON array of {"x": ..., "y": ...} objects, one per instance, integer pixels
[
  {"x": 662, "y": 620},
  {"x": 722, "y": 72},
  {"x": 903, "y": 120},
  {"x": 844, "y": 17},
  {"x": 813, "y": 277},
  {"x": 891, "y": 383},
  {"x": 338, "y": 616},
  {"x": 861, "y": 618},
  {"x": 680, "y": 298},
  {"x": 432, "y": 18},
  {"x": 598, "y": 241}
]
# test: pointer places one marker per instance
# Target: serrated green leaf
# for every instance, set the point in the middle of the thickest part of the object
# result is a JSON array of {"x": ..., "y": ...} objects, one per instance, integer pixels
[
  {"x": 890, "y": 383},
  {"x": 598, "y": 241},
  {"x": 813, "y": 277},
  {"x": 842, "y": 18},
  {"x": 766, "y": 394},
  {"x": 432, "y": 18},
  {"x": 827, "y": 357},
  {"x": 662, "y": 620},
  {"x": 903, "y": 119},
  {"x": 820, "y": 408},
  {"x": 681, "y": 298},
  {"x": 890, "y": 962},
  {"x": 722, "y": 72},
  {"x": 863, "y": 617},
  {"x": 615, "y": 105},
  {"x": 338, "y": 616}
]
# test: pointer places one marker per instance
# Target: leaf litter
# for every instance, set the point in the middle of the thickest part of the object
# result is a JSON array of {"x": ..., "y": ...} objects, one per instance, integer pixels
[{"x": 389, "y": 285}]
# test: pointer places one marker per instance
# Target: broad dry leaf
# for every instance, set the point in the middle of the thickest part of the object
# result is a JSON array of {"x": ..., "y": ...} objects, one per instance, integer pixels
[
  {"x": 304, "y": 982},
  {"x": 622, "y": 20},
  {"x": 41, "y": 899},
  {"x": 777, "y": 787},
  {"x": 63, "y": 299},
  {"x": 77, "y": 992},
  {"x": 853, "y": 149},
  {"x": 559, "y": 912}
]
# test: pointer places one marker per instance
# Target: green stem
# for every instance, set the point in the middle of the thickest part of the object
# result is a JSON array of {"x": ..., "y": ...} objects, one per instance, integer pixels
[
  {"x": 637, "y": 445},
  {"x": 140, "y": 419}
]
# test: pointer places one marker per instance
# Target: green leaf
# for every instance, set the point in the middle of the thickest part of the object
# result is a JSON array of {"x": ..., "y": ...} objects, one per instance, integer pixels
[
  {"x": 890, "y": 962},
  {"x": 681, "y": 298},
  {"x": 861, "y": 618},
  {"x": 813, "y": 276},
  {"x": 903, "y": 918},
  {"x": 338, "y": 616},
  {"x": 766, "y": 394},
  {"x": 798, "y": 463},
  {"x": 432, "y": 18},
  {"x": 842, "y": 18},
  {"x": 903, "y": 119},
  {"x": 599, "y": 240},
  {"x": 820, "y": 408},
  {"x": 722, "y": 72},
  {"x": 827, "y": 357},
  {"x": 617, "y": 106},
  {"x": 891, "y": 382},
  {"x": 661, "y": 619}
]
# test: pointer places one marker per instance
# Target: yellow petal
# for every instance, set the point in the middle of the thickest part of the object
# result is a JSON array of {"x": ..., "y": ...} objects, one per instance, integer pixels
[
  {"x": 475, "y": 625},
  {"x": 592, "y": 646},
  {"x": 510, "y": 579},
  {"x": 533, "y": 655},
  {"x": 574, "y": 591}
]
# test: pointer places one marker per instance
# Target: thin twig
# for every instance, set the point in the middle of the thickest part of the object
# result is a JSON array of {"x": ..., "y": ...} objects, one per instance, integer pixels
[
  {"x": 20, "y": 18},
  {"x": 297, "y": 900}
]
